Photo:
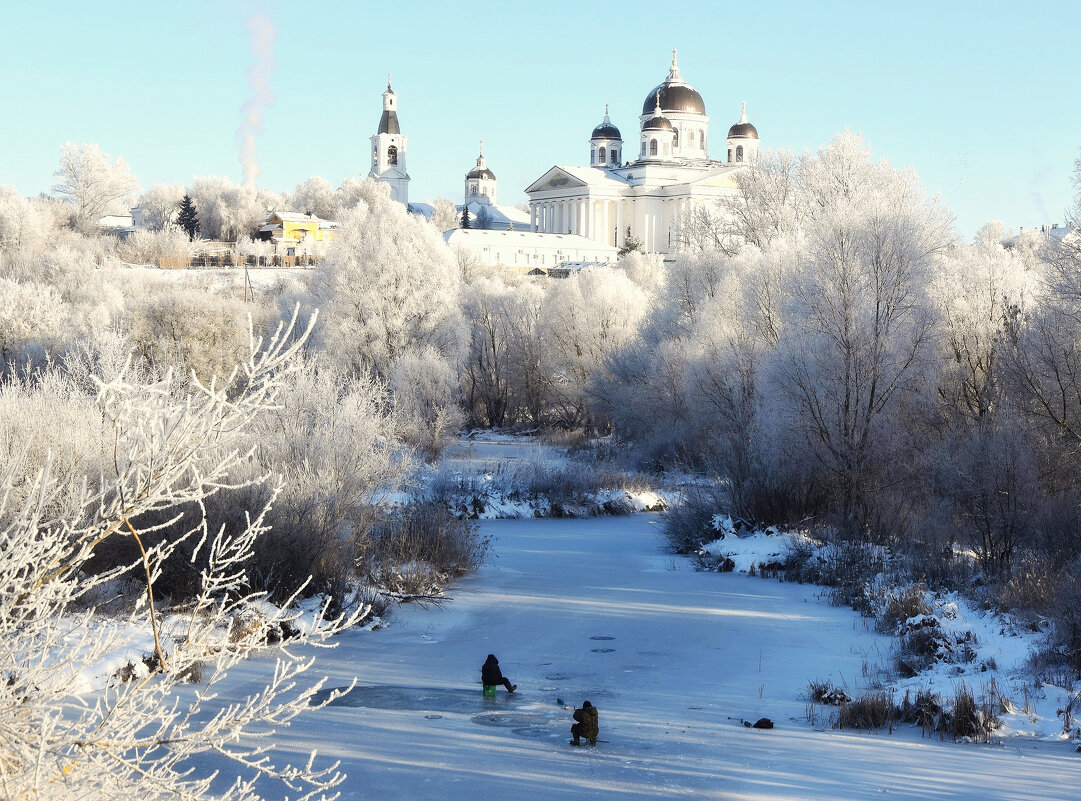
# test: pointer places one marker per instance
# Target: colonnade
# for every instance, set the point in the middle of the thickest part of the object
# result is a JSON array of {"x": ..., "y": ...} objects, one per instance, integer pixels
[
  {"x": 599, "y": 220},
  {"x": 606, "y": 220}
]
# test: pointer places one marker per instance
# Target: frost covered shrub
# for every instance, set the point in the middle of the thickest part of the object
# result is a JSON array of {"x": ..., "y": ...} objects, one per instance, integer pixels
[
  {"x": 45, "y": 419},
  {"x": 823, "y": 691},
  {"x": 901, "y": 605},
  {"x": 146, "y": 247},
  {"x": 191, "y": 330},
  {"x": 425, "y": 391},
  {"x": 31, "y": 314},
  {"x": 688, "y": 525},
  {"x": 338, "y": 450},
  {"x": 146, "y": 738},
  {"x": 421, "y": 547}
]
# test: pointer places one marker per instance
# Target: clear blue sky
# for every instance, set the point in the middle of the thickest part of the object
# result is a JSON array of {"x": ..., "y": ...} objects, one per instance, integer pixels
[{"x": 980, "y": 97}]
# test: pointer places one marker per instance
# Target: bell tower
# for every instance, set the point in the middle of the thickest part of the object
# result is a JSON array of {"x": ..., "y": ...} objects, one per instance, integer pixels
[{"x": 389, "y": 149}]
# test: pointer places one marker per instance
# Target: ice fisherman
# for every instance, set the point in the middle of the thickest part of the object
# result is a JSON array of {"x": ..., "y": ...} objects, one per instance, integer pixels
[
  {"x": 587, "y": 725},
  {"x": 491, "y": 675}
]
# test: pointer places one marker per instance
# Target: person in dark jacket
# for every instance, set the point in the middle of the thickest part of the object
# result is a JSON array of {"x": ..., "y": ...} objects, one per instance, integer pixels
[
  {"x": 491, "y": 675},
  {"x": 587, "y": 725}
]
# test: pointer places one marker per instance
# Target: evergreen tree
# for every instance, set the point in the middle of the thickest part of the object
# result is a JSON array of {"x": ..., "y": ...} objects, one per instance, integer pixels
[
  {"x": 465, "y": 217},
  {"x": 188, "y": 220}
]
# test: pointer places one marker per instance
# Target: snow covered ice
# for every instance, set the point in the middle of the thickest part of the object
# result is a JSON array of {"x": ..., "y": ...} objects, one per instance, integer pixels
[{"x": 673, "y": 659}]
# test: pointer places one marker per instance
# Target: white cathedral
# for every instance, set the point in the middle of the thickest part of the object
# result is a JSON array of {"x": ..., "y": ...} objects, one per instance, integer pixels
[
  {"x": 666, "y": 175},
  {"x": 613, "y": 200}
]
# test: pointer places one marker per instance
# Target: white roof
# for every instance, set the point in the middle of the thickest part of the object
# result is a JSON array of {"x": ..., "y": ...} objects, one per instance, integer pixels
[
  {"x": 528, "y": 239},
  {"x": 296, "y": 216}
]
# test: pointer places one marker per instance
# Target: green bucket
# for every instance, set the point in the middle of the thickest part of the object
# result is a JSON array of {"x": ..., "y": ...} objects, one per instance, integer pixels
[{"x": 489, "y": 690}]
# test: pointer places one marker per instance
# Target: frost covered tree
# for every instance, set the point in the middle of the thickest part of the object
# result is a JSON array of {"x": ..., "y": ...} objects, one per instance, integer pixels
[
  {"x": 587, "y": 318},
  {"x": 444, "y": 215},
  {"x": 227, "y": 211},
  {"x": 425, "y": 389},
  {"x": 315, "y": 196},
  {"x": 858, "y": 330},
  {"x": 981, "y": 292},
  {"x": 135, "y": 733},
  {"x": 332, "y": 438},
  {"x": 391, "y": 286},
  {"x": 94, "y": 183},
  {"x": 160, "y": 205},
  {"x": 24, "y": 224}
]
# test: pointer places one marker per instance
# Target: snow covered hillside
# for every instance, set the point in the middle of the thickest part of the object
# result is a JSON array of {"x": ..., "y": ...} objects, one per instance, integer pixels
[{"x": 674, "y": 659}]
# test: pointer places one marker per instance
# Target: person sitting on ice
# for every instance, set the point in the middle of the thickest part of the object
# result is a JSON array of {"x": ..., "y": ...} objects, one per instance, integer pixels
[
  {"x": 491, "y": 675},
  {"x": 587, "y": 725}
]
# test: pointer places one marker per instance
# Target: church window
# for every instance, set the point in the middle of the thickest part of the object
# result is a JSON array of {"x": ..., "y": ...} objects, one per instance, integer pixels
[
  {"x": 392, "y": 154},
  {"x": 592, "y": 157},
  {"x": 472, "y": 189},
  {"x": 615, "y": 156},
  {"x": 702, "y": 139},
  {"x": 675, "y": 138},
  {"x": 602, "y": 153},
  {"x": 729, "y": 154},
  {"x": 653, "y": 147},
  {"x": 739, "y": 153}
]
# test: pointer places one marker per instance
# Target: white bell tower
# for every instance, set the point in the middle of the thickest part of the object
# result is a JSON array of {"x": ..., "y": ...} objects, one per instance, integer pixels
[{"x": 389, "y": 149}]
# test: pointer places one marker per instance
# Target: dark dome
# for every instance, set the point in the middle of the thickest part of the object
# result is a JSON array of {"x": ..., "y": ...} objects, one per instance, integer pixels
[
  {"x": 657, "y": 124},
  {"x": 481, "y": 172},
  {"x": 675, "y": 97},
  {"x": 606, "y": 131},
  {"x": 742, "y": 130}
]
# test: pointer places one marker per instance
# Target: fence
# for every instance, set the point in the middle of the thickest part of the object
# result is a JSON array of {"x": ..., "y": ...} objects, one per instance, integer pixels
[{"x": 225, "y": 260}]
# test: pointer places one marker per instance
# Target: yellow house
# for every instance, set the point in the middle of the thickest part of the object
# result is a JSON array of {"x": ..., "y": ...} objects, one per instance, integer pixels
[{"x": 296, "y": 234}]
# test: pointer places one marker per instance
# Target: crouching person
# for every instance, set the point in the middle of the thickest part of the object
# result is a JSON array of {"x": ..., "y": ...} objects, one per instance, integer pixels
[{"x": 587, "y": 725}]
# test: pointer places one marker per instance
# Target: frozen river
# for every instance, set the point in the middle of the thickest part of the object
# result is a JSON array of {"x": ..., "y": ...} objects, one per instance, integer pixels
[{"x": 593, "y": 609}]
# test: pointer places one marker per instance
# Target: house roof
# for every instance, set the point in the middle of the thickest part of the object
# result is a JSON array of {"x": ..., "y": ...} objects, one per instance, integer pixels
[{"x": 478, "y": 236}]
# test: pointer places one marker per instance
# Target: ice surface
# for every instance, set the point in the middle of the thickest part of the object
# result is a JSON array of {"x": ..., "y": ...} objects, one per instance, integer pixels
[{"x": 694, "y": 654}]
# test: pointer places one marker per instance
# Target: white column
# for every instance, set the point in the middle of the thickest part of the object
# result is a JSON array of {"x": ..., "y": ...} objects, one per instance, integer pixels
[
  {"x": 532, "y": 217},
  {"x": 619, "y": 224}
]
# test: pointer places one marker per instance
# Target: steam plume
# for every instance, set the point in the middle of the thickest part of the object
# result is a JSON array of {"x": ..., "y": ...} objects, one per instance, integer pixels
[{"x": 261, "y": 36}]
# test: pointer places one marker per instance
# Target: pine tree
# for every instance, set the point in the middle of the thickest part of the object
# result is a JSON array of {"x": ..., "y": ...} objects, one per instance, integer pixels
[
  {"x": 188, "y": 220},
  {"x": 465, "y": 217}
]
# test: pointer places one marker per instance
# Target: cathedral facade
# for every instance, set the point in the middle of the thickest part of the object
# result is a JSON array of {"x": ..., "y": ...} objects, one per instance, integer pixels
[{"x": 637, "y": 190}]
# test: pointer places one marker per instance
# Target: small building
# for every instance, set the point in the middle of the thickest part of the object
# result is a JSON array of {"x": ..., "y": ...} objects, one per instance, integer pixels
[
  {"x": 296, "y": 234},
  {"x": 529, "y": 253}
]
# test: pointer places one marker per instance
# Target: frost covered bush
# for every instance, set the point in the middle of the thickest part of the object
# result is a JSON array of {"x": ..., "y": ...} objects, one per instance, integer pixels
[
  {"x": 421, "y": 547},
  {"x": 194, "y": 331},
  {"x": 139, "y": 738},
  {"x": 425, "y": 390},
  {"x": 338, "y": 450},
  {"x": 688, "y": 524},
  {"x": 31, "y": 315},
  {"x": 901, "y": 605},
  {"x": 147, "y": 247}
]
